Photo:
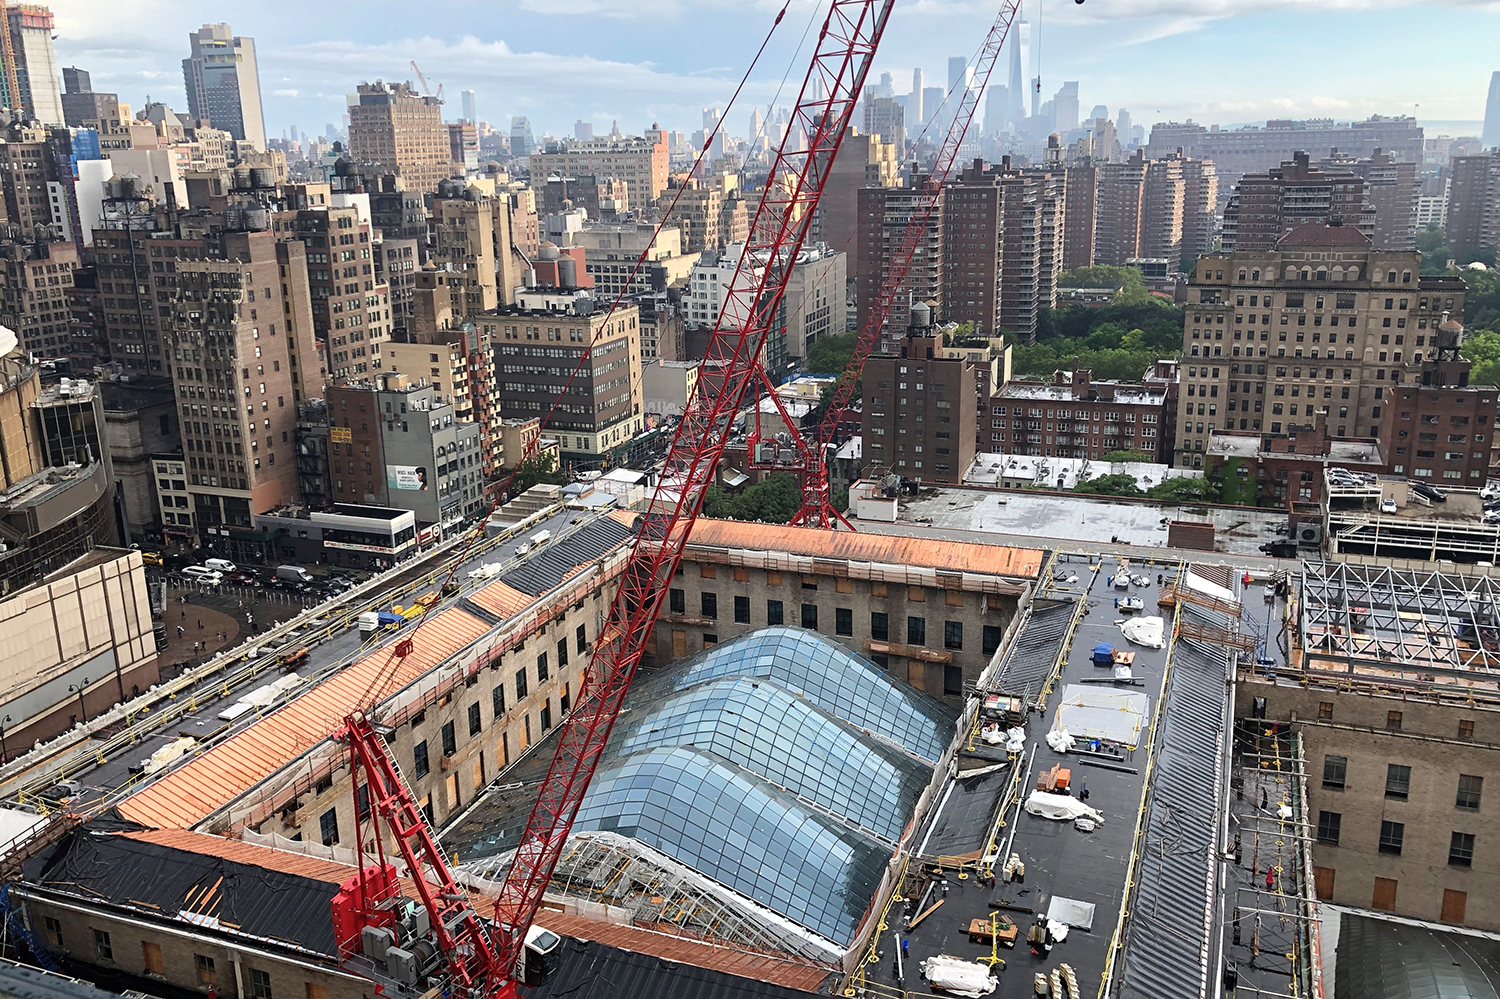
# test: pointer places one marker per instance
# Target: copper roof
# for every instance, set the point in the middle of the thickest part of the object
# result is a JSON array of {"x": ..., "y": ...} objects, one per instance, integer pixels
[
  {"x": 193, "y": 791},
  {"x": 953, "y": 556},
  {"x": 1318, "y": 234},
  {"x": 500, "y": 598}
]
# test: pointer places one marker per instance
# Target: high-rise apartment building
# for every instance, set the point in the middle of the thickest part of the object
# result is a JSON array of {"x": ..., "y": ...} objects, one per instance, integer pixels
[
  {"x": 1391, "y": 189},
  {"x": 1078, "y": 221},
  {"x": 1438, "y": 427},
  {"x": 884, "y": 213},
  {"x": 1265, "y": 207},
  {"x": 1490, "y": 135},
  {"x": 919, "y": 407},
  {"x": 885, "y": 117},
  {"x": 36, "y": 280},
  {"x": 1162, "y": 202},
  {"x": 539, "y": 342},
  {"x": 30, "y": 29},
  {"x": 522, "y": 143},
  {"x": 697, "y": 215},
  {"x": 395, "y": 130},
  {"x": 640, "y": 161},
  {"x": 1119, "y": 202},
  {"x": 1322, "y": 320},
  {"x": 223, "y": 83},
  {"x": 1474, "y": 203},
  {"x": 351, "y": 310},
  {"x": 864, "y": 160},
  {"x": 1200, "y": 212},
  {"x": 84, "y": 108}
]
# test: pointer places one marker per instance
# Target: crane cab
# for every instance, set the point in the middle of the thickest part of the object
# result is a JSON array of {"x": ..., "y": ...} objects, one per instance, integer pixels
[{"x": 539, "y": 957}]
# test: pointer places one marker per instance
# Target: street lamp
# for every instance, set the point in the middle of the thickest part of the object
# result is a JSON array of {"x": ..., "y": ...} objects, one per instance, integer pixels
[
  {"x": 78, "y": 688},
  {"x": 4, "y": 750}
]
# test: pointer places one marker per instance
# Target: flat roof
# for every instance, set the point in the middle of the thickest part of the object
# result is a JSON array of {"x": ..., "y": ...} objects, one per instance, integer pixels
[
  {"x": 373, "y": 512},
  {"x": 1083, "y": 519}
]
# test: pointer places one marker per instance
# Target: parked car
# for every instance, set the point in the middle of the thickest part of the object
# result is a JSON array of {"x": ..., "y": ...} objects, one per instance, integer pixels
[
  {"x": 1387, "y": 505},
  {"x": 1430, "y": 492}
]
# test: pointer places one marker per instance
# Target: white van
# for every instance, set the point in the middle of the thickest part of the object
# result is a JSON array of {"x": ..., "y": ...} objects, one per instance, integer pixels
[
  {"x": 293, "y": 574},
  {"x": 221, "y": 564}
]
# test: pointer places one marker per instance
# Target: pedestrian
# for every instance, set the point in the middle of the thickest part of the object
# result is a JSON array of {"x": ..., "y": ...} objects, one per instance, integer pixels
[
  {"x": 179, "y": 631},
  {"x": 1270, "y": 879},
  {"x": 1083, "y": 789},
  {"x": 905, "y": 946},
  {"x": 200, "y": 624},
  {"x": 184, "y": 615}
]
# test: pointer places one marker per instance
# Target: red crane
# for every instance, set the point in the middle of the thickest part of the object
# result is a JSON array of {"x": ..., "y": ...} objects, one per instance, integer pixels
[
  {"x": 437, "y": 939},
  {"x": 817, "y": 506}
]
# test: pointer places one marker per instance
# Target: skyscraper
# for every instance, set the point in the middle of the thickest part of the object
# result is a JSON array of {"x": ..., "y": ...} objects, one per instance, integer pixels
[
  {"x": 1065, "y": 105},
  {"x": 914, "y": 110},
  {"x": 1020, "y": 60},
  {"x": 393, "y": 129},
  {"x": 959, "y": 76},
  {"x": 470, "y": 114},
  {"x": 1490, "y": 137},
  {"x": 521, "y": 141},
  {"x": 223, "y": 84},
  {"x": 1122, "y": 128},
  {"x": 30, "y": 29},
  {"x": 583, "y": 129}
]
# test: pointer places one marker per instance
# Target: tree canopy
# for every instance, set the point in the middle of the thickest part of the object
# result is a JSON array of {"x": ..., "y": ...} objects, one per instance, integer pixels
[
  {"x": 829, "y": 355},
  {"x": 773, "y": 500},
  {"x": 1433, "y": 243},
  {"x": 1132, "y": 287},
  {"x": 538, "y": 469}
]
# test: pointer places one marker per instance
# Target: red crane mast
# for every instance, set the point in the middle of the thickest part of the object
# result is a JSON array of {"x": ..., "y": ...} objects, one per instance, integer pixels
[
  {"x": 437, "y": 938},
  {"x": 817, "y": 506}
]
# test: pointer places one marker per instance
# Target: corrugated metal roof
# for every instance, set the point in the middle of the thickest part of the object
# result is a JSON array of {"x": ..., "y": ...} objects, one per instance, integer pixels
[
  {"x": 1170, "y": 934},
  {"x": 500, "y": 599},
  {"x": 1393, "y": 959},
  {"x": 593, "y": 969},
  {"x": 1033, "y": 653},
  {"x": 556, "y": 560},
  {"x": 953, "y": 556},
  {"x": 196, "y": 789}
]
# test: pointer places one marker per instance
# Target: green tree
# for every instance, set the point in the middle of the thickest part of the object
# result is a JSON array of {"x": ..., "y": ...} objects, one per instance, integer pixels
[
  {"x": 538, "y": 469},
  {"x": 1482, "y": 254},
  {"x": 1115, "y": 456},
  {"x": 1483, "y": 348},
  {"x": 1184, "y": 490},
  {"x": 1127, "y": 281},
  {"x": 773, "y": 500},
  {"x": 829, "y": 355},
  {"x": 840, "y": 498},
  {"x": 1481, "y": 300},
  {"x": 1433, "y": 244},
  {"x": 1109, "y": 485}
]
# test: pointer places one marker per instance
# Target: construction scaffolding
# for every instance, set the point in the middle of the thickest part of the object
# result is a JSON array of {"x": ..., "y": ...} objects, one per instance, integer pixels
[{"x": 1271, "y": 918}]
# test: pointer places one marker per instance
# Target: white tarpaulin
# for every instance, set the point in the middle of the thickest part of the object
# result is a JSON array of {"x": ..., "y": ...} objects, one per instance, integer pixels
[
  {"x": 1148, "y": 631},
  {"x": 1203, "y": 586},
  {"x": 1091, "y": 712},
  {"x": 1061, "y": 807},
  {"x": 962, "y": 978}
]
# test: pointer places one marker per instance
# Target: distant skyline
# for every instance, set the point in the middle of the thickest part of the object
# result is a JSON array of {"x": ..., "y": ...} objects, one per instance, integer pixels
[{"x": 636, "y": 61}]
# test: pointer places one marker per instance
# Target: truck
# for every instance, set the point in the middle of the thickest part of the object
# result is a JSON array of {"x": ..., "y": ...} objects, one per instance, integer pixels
[{"x": 293, "y": 574}]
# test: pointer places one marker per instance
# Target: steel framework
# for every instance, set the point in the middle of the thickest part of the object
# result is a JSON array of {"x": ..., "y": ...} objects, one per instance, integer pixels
[
  {"x": 845, "y": 47},
  {"x": 817, "y": 501}
]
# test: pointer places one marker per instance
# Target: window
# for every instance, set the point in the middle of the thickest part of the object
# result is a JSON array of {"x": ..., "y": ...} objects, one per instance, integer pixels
[
  {"x": 53, "y": 928},
  {"x": 991, "y": 638},
  {"x": 1461, "y": 850},
  {"x": 810, "y": 616},
  {"x": 741, "y": 610},
  {"x": 880, "y": 626},
  {"x": 1466, "y": 728},
  {"x": 1469, "y": 788},
  {"x": 475, "y": 725},
  {"x": 204, "y": 965},
  {"x": 1393, "y": 721},
  {"x": 581, "y": 640},
  {"x": 420, "y": 766},
  {"x": 520, "y": 684},
  {"x": 260, "y": 984},
  {"x": 676, "y": 602},
  {"x": 546, "y": 715},
  {"x": 1391, "y": 836},
  {"x": 317, "y": 991},
  {"x": 710, "y": 605},
  {"x": 497, "y": 699},
  {"x": 773, "y": 612},
  {"x": 541, "y": 668},
  {"x": 328, "y": 827},
  {"x": 843, "y": 621},
  {"x": 101, "y": 945},
  {"x": 916, "y": 631},
  {"x": 1397, "y": 781},
  {"x": 562, "y": 653},
  {"x": 1334, "y": 768},
  {"x": 953, "y": 634},
  {"x": 450, "y": 739},
  {"x": 151, "y": 957},
  {"x": 1328, "y": 827},
  {"x": 1325, "y": 710}
]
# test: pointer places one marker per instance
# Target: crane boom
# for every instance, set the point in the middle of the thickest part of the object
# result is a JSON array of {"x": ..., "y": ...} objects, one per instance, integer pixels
[
  {"x": 841, "y": 61},
  {"x": 817, "y": 507}
]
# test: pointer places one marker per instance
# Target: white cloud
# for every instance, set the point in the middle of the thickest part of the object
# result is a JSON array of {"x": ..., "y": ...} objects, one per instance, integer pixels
[{"x": 285, "y": 93}]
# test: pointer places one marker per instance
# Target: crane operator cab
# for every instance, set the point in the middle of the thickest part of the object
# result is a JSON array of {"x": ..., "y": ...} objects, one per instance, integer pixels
[{"x": 539, "y": 958}]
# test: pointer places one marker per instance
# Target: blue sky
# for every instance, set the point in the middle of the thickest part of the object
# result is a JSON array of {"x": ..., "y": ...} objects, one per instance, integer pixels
[{"x": 664, "y": 60}]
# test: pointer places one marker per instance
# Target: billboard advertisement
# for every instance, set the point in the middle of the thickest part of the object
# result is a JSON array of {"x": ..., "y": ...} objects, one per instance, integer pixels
[{"x": 409, "y": 477}]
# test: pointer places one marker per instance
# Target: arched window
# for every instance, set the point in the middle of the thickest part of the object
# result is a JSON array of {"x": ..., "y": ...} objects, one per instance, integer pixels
[
  {"x": 1307, "y": 273},
  {"x": 1322, "y": 274},
  {"x": 1242, "y": 273},
  {"x": 1255, "y": 275},
  {"x": 1406, "y": 277},
  {"x": 1353, "y": 272},
  {"x": 1338, "y": 273},
  {"x": 1291, "y": 272}
]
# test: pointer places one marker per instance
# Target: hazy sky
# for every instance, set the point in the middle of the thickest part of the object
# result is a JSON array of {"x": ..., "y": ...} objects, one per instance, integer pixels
[{"x": 664, "y": 60}]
